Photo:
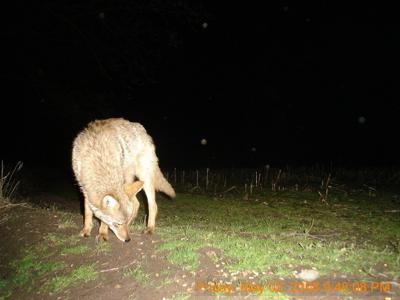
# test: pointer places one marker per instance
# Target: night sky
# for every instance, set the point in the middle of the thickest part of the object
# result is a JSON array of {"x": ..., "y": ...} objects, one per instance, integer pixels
[{"x": 282, "y": 83}]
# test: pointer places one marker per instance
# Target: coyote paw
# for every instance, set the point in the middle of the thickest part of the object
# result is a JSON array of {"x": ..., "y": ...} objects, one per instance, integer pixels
[
  {"x": 102, "y": 237},
  {"x": 85, "y": 232},
  {"x": 149, "y": 230}
]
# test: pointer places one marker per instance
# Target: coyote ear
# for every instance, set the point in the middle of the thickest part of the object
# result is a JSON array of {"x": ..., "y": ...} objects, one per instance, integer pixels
[
  {"x": 133, "y": 188},
  {"x": 109, "y": 202}
]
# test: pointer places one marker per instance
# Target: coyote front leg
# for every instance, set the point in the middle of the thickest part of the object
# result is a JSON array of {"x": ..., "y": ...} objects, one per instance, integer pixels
[
  {"x": 103, "y": 232},
  {"x": 136, "y": 205}
]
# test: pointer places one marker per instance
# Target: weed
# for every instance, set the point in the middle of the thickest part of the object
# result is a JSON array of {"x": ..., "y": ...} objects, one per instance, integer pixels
[
  {"x": 82, "y": 273},
  {"x": 138, "y": 274}
]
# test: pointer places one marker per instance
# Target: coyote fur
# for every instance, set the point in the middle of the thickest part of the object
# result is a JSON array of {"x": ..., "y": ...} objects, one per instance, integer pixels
[{"x": 107, "y": 157}]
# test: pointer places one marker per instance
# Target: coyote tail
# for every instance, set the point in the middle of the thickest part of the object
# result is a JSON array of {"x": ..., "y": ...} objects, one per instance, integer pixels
[{"x": 162, "y": 185}]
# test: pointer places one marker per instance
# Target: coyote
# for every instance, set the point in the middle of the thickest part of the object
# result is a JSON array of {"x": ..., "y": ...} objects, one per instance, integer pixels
[{"x": 107, "y": 156}]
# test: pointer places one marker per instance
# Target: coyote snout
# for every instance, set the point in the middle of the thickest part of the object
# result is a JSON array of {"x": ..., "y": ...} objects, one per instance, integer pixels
[{"x": 107, "y": 156}]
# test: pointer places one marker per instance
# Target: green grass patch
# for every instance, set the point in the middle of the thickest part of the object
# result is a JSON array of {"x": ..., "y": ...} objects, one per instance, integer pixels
[
  {"x": 39, "y": 267},
  {"x": 5, "y": 290},
  {"x": 166, "y": 281},
  {"x": 140, "y": 222},
  {"x": 66, "y": 220},
  {"x": 103, "y": 247},
  {"x": 80, "y": 274},
  {"x": 181, "y": 296},
  {"x": 75, "y": 250},
  {"x": 283, "y": 230},
  {"x": 138, "y": 274},
  {"x": 182, "y": 252},
  {"x": 3, "y": 283},
  {"x": 29, "y": 268},
  {"x": 60, "y": 240},
  {"x": 273, "y": 295}
]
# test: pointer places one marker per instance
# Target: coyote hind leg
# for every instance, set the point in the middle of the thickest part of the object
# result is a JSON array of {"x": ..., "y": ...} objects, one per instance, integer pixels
[
  {"x": 87, "y": 219},
  {"x": 152, "y": 205}
]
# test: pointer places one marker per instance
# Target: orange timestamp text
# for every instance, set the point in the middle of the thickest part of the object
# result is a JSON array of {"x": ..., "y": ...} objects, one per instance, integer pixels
[
  {"x": 329, "y": 286},
  {"x": 303, "y": 287}
]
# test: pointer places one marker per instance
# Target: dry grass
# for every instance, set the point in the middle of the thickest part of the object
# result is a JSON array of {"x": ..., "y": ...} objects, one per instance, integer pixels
[{"x": 8, "y": 185}]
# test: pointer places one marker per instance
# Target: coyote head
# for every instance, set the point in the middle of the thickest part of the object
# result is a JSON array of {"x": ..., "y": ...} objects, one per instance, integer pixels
[{"x": 118, "y": 212}]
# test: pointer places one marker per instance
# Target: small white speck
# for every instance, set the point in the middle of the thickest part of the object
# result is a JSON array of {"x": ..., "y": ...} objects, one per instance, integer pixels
[
  {"x": 307, "y": 275},
  {"x": 361, "y": 120}
]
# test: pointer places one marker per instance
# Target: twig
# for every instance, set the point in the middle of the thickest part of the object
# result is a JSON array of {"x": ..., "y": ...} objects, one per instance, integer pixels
[
  {"x": 311, "y": 226},
  {"x": 14, "y": 204},
  {"x": 117, "y": 268},
  {"x": 194, "y": 188},
  {"x": 109, "y": 270},
  {"x": 230, "y": 189}
]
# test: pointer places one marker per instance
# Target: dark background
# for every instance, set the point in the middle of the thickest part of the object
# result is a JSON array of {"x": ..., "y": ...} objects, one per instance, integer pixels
[{"x": 279, "y": 83}]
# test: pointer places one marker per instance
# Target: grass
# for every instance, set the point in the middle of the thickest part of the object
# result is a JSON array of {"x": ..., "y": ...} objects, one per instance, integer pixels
[
  {"x": 30, "y": 267},
  {"x": 57, "y": 240},
  {"x": 75, "y": 250},
  {"x": 267, "y": 294},
  {"x": 103, "y": 247},
  {"x": 8, "y": 181},
  {"x": 138, "y": 274},
  {"x": 181, "y": 296},
  {"x": 166, "y": 281},
  {"x": 66, "y": 220},
  {"x": 5, "y": 291},
  {"x": 8, "y": 185},
  {"x": 40, "y": 268},
  {"x": 283, "y": 230},
  {"x": 166, "y": 278},
  {"x": 80, "y": 274},
  {"x": 183, "y": 252}
]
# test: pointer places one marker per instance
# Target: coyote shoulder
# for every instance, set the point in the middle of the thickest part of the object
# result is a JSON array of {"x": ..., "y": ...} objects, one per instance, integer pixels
[{"x": 107, "y": 156}]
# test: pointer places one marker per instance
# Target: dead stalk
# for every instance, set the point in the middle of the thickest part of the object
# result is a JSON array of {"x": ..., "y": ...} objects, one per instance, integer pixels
[
  {"x": 274, "y": 183},
  {"x": 230, "y": 189},
  {"x": 207, "y": 170},
  {"x": 175, "y": 175},
  {"x": 326, "y": 186}
]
